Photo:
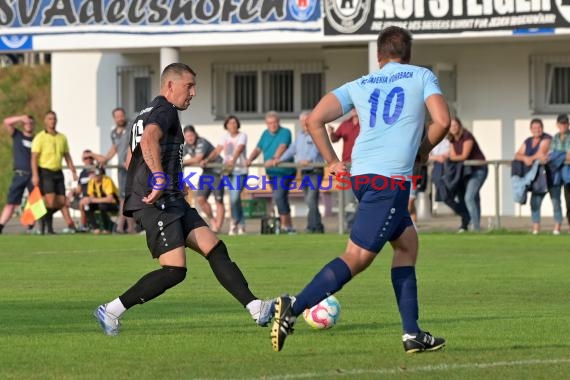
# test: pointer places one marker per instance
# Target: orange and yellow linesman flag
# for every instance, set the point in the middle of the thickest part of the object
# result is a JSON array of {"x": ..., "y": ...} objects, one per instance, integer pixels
[{"x": 35, "y": 208}]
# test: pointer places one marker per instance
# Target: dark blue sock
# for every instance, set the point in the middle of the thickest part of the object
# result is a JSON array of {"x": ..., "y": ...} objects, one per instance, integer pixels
[
  {"x": 404, "y": 283},
  {"x": 328, "y": 281}
]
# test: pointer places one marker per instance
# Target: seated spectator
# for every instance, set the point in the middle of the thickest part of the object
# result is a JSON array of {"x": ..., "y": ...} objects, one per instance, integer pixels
[
  {"x": 560, "y": 153},
  {"x": 75, "y": 195},
  {"x": 535, "y": 148},
  {"x": 464, "y": 147},
  {"x": 102, "y": 196}
]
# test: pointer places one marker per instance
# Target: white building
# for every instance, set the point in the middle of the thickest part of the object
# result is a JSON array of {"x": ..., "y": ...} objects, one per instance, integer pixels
[{"x": 500, "y": 63}]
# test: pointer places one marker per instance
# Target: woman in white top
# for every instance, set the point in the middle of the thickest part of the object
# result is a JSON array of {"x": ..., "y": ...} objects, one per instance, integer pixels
[{"x": 233, "y": 145}]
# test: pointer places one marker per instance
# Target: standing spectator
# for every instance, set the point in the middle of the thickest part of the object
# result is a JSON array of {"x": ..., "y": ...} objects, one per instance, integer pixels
[
  {"x": 559, "y": 153},
  {"x": 120, "y": 136},
  {"x": 438, "y": 156},
  {"x": 347, "y": 131},
  {"x": 102, "y": 196},
  {"x": 198, "y": 149},
  {"x": 21, "y": 159},
  {"x": 382, "y": 213},
  {"x": 49, "y": 147},
  {"x": 534, "y": 148},
  {"x": 306, "y": 153},
  {"x": 464, "y": 147},
  {"x": 234, "y": 147},
  {"x": 273, "y": 143}
]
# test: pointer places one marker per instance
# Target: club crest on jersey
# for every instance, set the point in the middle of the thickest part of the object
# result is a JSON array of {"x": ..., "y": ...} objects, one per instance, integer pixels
[
  {"x": 347, "y": 16},
  {"x": 302, "y": 10}
]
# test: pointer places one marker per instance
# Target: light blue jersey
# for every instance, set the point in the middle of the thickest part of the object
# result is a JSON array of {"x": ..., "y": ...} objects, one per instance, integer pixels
[{"x": 391, "y": 110}]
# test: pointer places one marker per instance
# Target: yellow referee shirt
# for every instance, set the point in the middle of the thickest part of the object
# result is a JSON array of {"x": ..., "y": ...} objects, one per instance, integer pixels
[{"x": 50, "y": 149}]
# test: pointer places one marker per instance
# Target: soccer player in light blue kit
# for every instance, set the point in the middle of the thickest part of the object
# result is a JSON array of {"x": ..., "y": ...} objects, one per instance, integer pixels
[{"x": 390, "y": 105}]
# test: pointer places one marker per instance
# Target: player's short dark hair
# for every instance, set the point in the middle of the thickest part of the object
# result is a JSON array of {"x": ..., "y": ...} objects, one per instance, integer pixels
[
  {"x": 395, "y": 42},
  {"x": 230, "y": 117},
  {"x": 31, "y": 118},
  {"x": 190, "y": 128},
  {"x": 177, "y": 68}
]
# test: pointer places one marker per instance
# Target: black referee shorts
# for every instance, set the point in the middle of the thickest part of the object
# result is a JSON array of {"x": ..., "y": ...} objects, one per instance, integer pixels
[
  {"x": 52, "y": 181},
  {"x": 167, "y": 228}
]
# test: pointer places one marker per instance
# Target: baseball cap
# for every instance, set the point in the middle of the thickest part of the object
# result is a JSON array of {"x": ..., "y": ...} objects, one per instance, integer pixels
[
  {"x": 98, "y": 171},
  {"x": 562, "y": 118}
]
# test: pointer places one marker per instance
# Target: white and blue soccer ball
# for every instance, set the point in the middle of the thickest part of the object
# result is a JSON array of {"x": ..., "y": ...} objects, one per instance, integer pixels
[{"x": 323, "y": 315}]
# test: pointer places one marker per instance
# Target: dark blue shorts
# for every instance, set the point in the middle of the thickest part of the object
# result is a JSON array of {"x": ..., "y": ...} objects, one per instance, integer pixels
[
  {"x": 382, "y": 213},
  {"x": 20, "y": 182}
]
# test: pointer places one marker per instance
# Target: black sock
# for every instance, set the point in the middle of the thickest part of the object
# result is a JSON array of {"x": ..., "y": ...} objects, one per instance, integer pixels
[
  {"x": 49, "y": 219},
  {"x": 153, "y": 284},
  {"x": 1, "y": 228},
  {"x": 229, "y": 274}
]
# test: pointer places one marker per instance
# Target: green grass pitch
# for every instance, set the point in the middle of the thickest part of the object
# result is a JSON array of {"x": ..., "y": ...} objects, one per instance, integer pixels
[{"x": 502, "y": 301}]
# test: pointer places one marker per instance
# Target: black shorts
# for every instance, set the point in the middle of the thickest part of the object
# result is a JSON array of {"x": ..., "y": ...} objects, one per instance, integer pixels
[
  {"x": 52, "y": 182},
  {"x": 168, "y": 228},
  {"x": 20, "y": 182}
]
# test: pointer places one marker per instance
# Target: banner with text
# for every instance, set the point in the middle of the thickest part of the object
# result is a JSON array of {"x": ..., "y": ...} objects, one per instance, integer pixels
[
  {"x": 157, "y": 16},
  {"x": 445, "y": 16}
]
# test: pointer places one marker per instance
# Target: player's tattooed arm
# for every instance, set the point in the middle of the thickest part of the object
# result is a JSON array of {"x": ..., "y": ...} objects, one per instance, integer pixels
[{"x": 150, "y": 147}]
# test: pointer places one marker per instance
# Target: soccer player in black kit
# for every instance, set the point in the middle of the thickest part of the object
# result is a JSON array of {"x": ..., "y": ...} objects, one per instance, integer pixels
[{"x": 156, "y": 201}]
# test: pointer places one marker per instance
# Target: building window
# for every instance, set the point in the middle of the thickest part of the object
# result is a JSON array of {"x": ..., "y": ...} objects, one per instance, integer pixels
[
  {"x": 252, "y": 89},
  {"x": 244, "y": 92},
  {"x": 278, "y": 91},
  {"x": 312, "y": 89},
  {"x": 133, "y": 88},
  {"x": 550, "y": 83}
]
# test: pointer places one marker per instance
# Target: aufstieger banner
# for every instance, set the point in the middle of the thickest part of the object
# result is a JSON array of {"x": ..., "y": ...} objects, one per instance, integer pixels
[{"x": 445, "y": 16}]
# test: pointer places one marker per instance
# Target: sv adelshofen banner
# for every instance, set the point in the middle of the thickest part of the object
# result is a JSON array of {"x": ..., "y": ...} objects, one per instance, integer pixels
[{"x": 444, "y": 16}]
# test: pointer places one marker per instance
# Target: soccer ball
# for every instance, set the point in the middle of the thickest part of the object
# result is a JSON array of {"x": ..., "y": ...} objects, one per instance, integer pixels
[{"x": 323, "y": 315}]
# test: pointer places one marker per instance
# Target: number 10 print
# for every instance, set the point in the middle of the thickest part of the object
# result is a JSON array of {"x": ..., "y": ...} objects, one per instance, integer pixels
[{"x": 398, "y": 93}]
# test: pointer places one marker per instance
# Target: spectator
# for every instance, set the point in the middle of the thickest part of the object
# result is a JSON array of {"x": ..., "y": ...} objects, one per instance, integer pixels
[
  {"x": 49, "y": 147},
  {"x": 559, "y": 153},
  {"x": 535, "y": 148},
  {"x": 234, "y": 146},
  {"x": 464, "y": 147},
  {"x": 438, "y": 156},
  {"x": 21, "y": 159},
  {"x": 306, "y": 153},
  {"x": 273, "y": 143},
  {"x": 348, "y": 131},
  {"x": 76, "y": 194},
  {"x": 120, "y": 136},
  {"x": 198, "y": 149},
  {"x": 102, "y": 196}
]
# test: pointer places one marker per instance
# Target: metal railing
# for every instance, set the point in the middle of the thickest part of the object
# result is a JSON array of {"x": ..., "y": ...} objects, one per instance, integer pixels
[{"x": 495, "y": 164}]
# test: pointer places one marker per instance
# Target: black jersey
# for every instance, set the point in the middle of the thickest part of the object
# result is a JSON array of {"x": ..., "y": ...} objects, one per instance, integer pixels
[{"x": 139, "y": 177}]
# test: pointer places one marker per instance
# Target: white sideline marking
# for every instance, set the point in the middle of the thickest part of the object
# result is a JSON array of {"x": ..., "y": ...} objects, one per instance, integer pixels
[
  {"x": 82, "y": 251},
  {"x": 427, "y": 368}
]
